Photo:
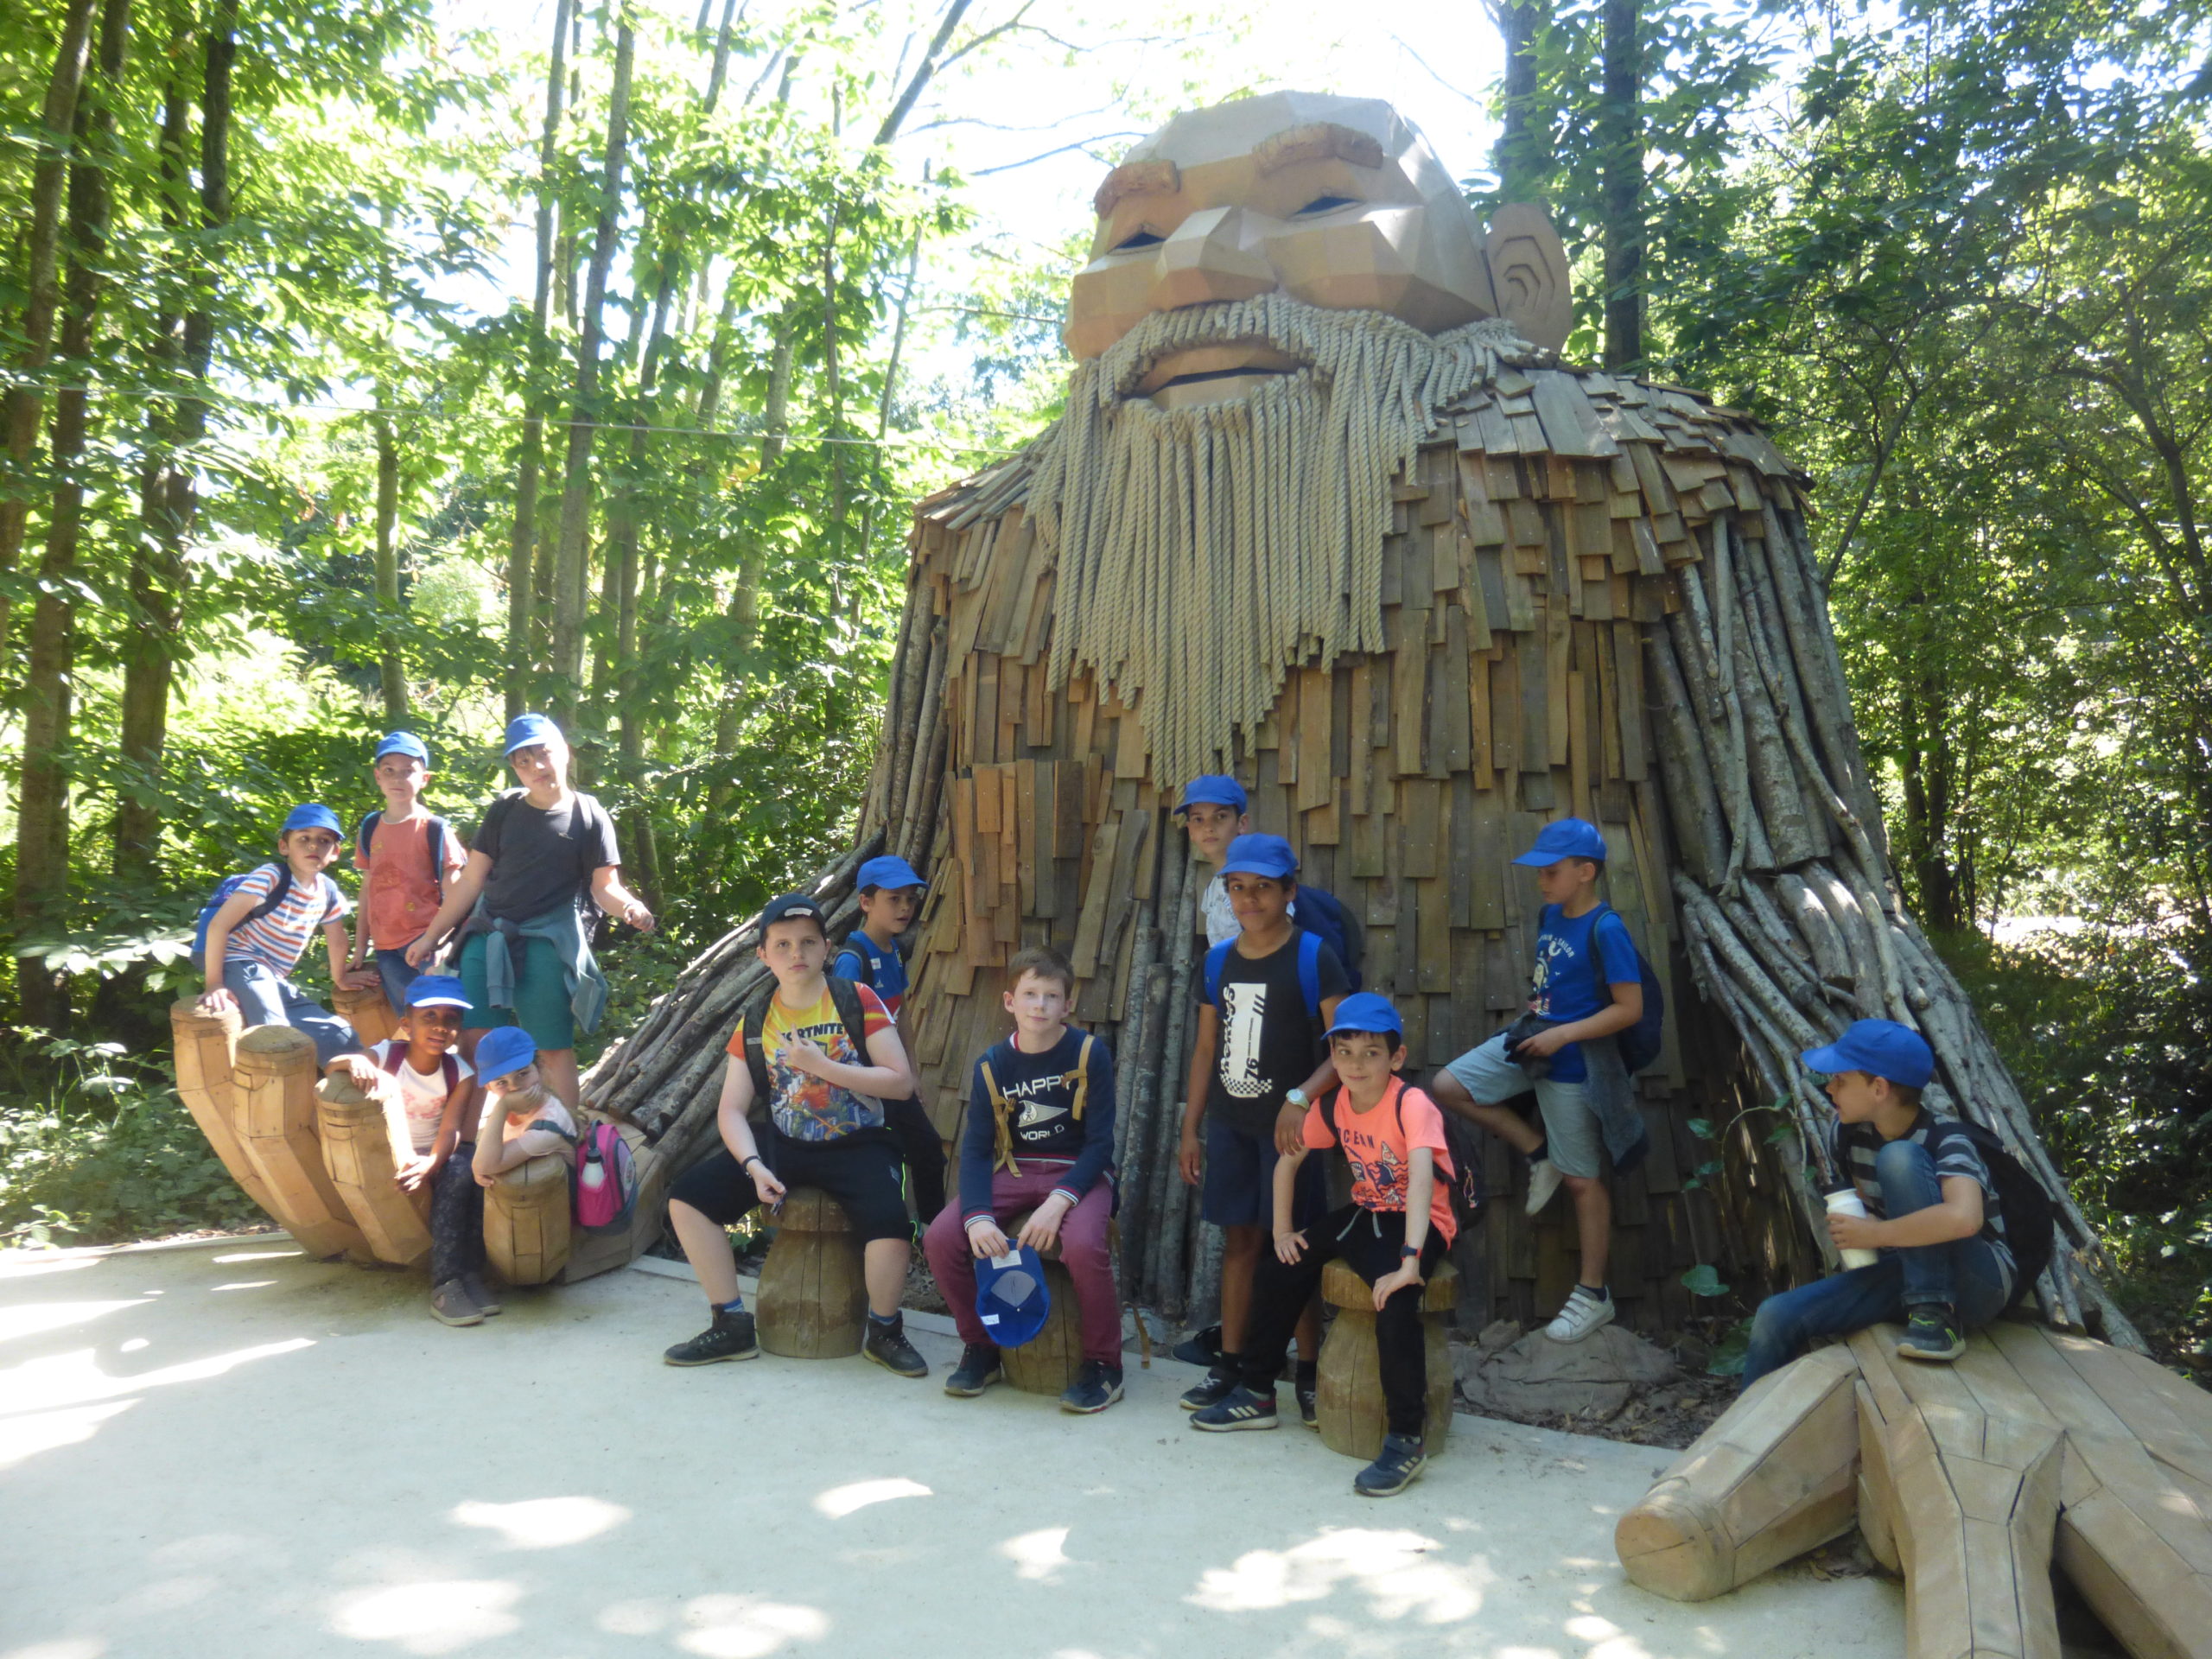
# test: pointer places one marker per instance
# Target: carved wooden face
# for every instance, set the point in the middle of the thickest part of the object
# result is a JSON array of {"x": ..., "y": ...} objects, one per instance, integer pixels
[{"x": 1334, "y": 202}]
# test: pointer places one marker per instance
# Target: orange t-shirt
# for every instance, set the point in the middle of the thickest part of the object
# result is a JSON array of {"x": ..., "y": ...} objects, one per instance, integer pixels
[
  {"x": 1378, "y": 1145},
  {"x": 401, "y": 893}
]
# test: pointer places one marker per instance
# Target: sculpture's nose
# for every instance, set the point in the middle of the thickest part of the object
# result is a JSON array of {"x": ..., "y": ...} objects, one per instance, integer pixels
[{"x": 1217, "y": 254}]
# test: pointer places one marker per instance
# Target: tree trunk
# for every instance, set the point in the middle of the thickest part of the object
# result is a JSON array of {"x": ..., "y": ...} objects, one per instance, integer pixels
[
  {"x": 1522, "y": 156},
  {"x": 752, "y": 563},
  {"x": 1622, "y": 145},
  {"x": 392, "y": 666},
  {"x": 571, "y": 574}
]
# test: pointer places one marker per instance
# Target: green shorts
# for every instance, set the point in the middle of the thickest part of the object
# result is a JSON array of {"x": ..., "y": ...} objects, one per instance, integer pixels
[{"x": 541, "y": 994}]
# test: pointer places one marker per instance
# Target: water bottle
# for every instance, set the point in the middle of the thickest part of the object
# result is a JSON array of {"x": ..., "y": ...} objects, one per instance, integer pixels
[{"x": 1845, "y": 1201}]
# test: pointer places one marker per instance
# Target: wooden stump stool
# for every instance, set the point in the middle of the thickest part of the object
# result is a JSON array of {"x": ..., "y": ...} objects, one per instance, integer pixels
[
  {"x": 207, "y": 1050},
  {"x": 1351, "y": 1380},
  {"x": 273, "y": 1102},
  {"x": 813, "y": 1297},
  {"x": 526, "y": 1221},
  {"x": 367, "y": 1012},
  {"x": 362, "y": 1149},
  {"x": 1047, "y": 1362}
]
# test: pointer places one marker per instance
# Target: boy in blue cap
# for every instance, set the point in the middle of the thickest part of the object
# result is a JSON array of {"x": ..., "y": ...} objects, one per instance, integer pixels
[
  {"x": 1393, "y": 1233},
  {"x": 1266, "y": 998},
  {"x": 1588, "y": 982},
  {"x": 1213, "y": 812},
  {"x": 1945, "y": 1266},
  {"x": 890, "y": 894},
  {"x": 258, "y": 932},
  {"x": 406, "y": 855},
  {"x": 544, "y": 852}
]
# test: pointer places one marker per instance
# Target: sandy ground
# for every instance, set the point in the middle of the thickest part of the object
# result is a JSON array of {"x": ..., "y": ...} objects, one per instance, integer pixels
[{"x": 234, "y": 1452}]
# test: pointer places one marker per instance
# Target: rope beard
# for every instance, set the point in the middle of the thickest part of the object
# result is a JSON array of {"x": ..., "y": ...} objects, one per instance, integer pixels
[{"x": 1204, "y": 551}]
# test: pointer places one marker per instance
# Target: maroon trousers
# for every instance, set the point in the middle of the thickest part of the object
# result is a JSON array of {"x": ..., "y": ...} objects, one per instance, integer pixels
[{"x": 1083, "y": 1253}]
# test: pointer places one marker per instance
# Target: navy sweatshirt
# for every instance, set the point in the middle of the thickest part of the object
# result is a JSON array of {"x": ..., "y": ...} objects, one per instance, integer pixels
[{"x": 1042, "y": 1123}]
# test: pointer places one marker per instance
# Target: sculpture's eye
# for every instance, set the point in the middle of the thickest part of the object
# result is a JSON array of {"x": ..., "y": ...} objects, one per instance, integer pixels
[
  {"x": 1141, "y": 239},
  {"x": 1324, "y": 205}
]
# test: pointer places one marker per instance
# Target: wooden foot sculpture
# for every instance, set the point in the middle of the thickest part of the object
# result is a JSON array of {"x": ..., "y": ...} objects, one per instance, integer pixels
[
  {"x": 362, "y": 1149},
  {"x": 1969, "y": 1478},
  {"x": 273, "y": 1092},
  {"x": 526, "y": 1221},
  {"x": 207, "y": 1050},
  {"x": 367, "y": 1012}
]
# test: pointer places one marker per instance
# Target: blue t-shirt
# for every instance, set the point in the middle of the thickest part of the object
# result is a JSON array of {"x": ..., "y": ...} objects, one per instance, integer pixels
[
  {"x": 879, "y": 967},
  {"x": 1565, "y": 988}
]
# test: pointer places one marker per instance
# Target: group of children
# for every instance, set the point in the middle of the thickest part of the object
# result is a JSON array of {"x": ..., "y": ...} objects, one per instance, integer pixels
[{"x": 1290, "y": 1058}]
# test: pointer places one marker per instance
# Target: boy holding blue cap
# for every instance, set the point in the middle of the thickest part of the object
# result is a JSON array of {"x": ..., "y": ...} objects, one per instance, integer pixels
[
  {"x": 406, "y": 856},
  {"x": 1945, "y": 1266},
  {"x": 890, "y": 894},
  {"x": 1213, "y": 812},
  {"x": 1588, "y": 985},
  {"x": 1266, "y": 998},
  {"x": 257, "y": 934},
  {"x": 1393, "y": 1233}
]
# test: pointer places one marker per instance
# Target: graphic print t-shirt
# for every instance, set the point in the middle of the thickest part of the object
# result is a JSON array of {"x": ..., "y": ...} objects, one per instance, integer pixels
[
  {"x": 803, "y": 1106},
  {"x": 422, "y": 1095},
  {"x": 879, "y": 967},
  {"x": 1268, "y": 1041},
  {"x": 277, "y": 940},
  {"x": 1566, "y": 986},
  {"x": 1379, "y": 1146}
]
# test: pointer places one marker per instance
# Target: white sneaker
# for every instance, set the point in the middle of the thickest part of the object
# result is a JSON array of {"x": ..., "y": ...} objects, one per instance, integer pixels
[
  {"x": 1544, "y": 1180},
  {"x": 1583, "y": 1316}
]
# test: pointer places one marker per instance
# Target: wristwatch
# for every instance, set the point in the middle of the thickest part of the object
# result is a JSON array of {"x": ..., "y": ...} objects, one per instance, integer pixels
[
  {"x": 1297, "y": 1097},
  {"x": 1408, "y": 1250}
]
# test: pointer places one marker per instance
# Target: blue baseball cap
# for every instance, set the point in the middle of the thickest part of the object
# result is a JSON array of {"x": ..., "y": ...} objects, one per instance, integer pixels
[
  {"x": 1569, "y": 838},
  {"x": 401, "y": 743},
  {"x": 1267, "y": 855},
  {"x": 502, "y": 1051},
  {"x": 889, "y": 872},
  {"x": 1367, "y": 1011},
  {"x": 525, "y": 730},
  {"x": 437, "y": 991},
  {"x": 1010, "y": 1296},
  {"x": 1215, "y": 789},
  {"x": 312, "y": 817},
  {"x": 1881, "y": 1048}
]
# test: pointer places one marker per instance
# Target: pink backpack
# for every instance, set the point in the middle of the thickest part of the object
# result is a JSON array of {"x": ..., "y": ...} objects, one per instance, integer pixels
[{"x": 603, "y": 1184}]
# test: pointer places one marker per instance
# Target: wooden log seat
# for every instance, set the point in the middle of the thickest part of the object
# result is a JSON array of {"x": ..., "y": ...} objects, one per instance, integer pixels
[
  {"x": 1047, "y": 1362},
  {"x": 813, "y": 1299},
  {"x": 272, "y": 1084},
  {"x": 371, "y": 1017},
  {"x": 363, "y": 1146},
  {"x": 1349, "y": 1384},
  {"x": 206, "y": 1050},
  {"x": 526, "y": 1232}
]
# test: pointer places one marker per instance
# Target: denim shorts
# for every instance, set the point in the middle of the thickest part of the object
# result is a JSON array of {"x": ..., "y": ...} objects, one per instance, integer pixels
[{"x": 1570, "y": 1137}]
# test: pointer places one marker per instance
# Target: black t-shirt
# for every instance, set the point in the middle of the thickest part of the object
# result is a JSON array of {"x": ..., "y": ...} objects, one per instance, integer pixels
[
  {"x": 541, "y": 860},
  {"x": 1269, "y": 1042}
]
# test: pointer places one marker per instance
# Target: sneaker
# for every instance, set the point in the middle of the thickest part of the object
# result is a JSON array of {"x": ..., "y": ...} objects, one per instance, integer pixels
[
  {"x": 978, "y": 1368},
  {"x": 1096, "y": 1386},
  {"x": 1586, "y": 1311},
  {"x": 1394, "y": 1469},
  {"x": 887, "y": 1346},
  {"x": 1201, "y": 1348},
  {"x": 480, "y": 1293},
  {"x": 1932, "y": 1333},
  {"x": 1239, "y": 1408},
  {"x": 1309, "y": 1403},
  {"x": 1221, "y": 1379},
  {"x": 730, "y": 1336},
  {"x": 1544, "y": 1180},
  {"x": 450, "y": 1303}
]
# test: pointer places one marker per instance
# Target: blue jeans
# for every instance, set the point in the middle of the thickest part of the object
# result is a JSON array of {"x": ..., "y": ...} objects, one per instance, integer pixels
[
  {"x": 266, "y": 1000},
  {"x": 392, "y": 969},
  {"x": 1967, "y": 1275}
]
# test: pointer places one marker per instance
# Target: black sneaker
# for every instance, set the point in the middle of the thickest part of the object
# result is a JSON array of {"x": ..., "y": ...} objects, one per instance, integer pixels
[
  {"x": 1096, "y": 1386},
  {"x": 978, "y": 1368},
  {"x": 1309, "y": 1403},
  {"x": 887, "y": 1346},
  {"x": 1200, "y": 1348},
  {"x": 1220, "y": 1383},
  {"x": 1239, "y": 1408},
  {"x": 1932, "y": 1332},
  {"x": 451, "y": 1304},
  {"x": 480, "y": 1293},
  {"x": 1393, "y": 1469},
  {"x": 730, "y": 1336}
]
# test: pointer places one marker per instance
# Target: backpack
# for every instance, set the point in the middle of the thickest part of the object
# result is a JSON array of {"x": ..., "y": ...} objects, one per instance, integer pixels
[
  {"x": 2030, "y": 1221},
  {"x": 279, "y": 892},
  {"x": 1003, "y": 1109},
  {"x": 844, "y": 993},
  {"x": 1639, "y": 1044},
  {"x": 1464, "y": 1188},
  {"x": 603, "y": 1180},
  {"x": 367, "y": 833},
  {"x": 862, "y": 949},
  {"x": 448, "y": 1067},
  {"x": 1321, "y": 911},
  {"x": 1309, "y": 969}
]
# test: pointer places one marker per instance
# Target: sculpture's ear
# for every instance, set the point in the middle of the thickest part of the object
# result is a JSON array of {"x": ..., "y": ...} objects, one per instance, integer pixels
[{"x": 1527, "y": 269}]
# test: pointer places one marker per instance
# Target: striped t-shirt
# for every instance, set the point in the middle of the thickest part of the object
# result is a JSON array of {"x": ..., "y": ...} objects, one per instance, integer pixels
[
  {"x": 278, "y": 940},
  {"x": 1857, "y": 1145}
]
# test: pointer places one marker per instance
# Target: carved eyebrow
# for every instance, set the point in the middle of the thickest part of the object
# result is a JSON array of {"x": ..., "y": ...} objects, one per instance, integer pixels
[
  {"x": 1137, "y": 178},
  {"x": 1321, "y": 142}
]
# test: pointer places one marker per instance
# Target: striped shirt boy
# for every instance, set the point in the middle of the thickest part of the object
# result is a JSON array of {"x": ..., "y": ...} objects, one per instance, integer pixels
[{"x": 278, "y": 940}]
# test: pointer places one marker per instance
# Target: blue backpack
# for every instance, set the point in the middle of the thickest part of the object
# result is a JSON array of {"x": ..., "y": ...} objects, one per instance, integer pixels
[
  {"x": 1309, "y": 969},
  {"x": 1321, "y": 911},
  {"x": 229, "y": 884},
  {"x": 1639, "y": 1044}
]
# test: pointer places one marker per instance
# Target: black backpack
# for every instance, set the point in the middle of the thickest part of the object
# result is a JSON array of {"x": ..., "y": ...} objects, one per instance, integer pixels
[
  {"x": 2031, "y": 1223},
  {"x": 1321, "y": 912},
  {"x": 1460, "y": 1140},
  {"x": 842, "y": 991}
]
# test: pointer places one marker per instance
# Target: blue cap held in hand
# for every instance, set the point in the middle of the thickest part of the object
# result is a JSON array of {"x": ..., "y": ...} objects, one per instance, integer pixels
[
  {"x": 312, "y": 817},
  {"x": 1267, "y": 855},
  {"x": 1881, "y": 1048},
  {"x": 1215, "y": 789},
  {"x": 402, "y": 743},
  {"x": 526, "y": 731},
  {"x": 1010, "y": 1296},
  {"x": 1367, "y": 1011},
  {"x": 437, "y": 991},
  {"x": 889, "y": 872},
  {"x": 1569, "y": 838},
  {"x": 502, "y": 1051}
]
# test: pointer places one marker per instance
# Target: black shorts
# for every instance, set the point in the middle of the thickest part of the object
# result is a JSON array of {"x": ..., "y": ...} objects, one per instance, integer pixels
[{"x": 862, "y": 1173}]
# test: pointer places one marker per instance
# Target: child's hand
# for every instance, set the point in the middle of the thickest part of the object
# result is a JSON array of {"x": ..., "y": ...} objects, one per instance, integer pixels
[
  {"x": 419, "y": 951},
  {"x": 363, "y": 1073},
  {"x": 1189, "y": 1159},
  {"x": 638, "y": 916},
  {"x": 1390, "y": 1283},
  {"x": 214, "y": 1002},
  {"x": 359, "y": 978},
  {"x": 416, "y": 1171},
  {"x": 765, "y": 1184},
  {"x": 986, "y": 1241},
  {"x": 1854, "y": 1232},
  {"x": 1288, "y": 1248},
  {"x": 1042, "y": 1230},
  {"x": 1544, "y": 1044},
  {"x": 1290, "y": 1129},
  {"x": 801, "y": 1055}
]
